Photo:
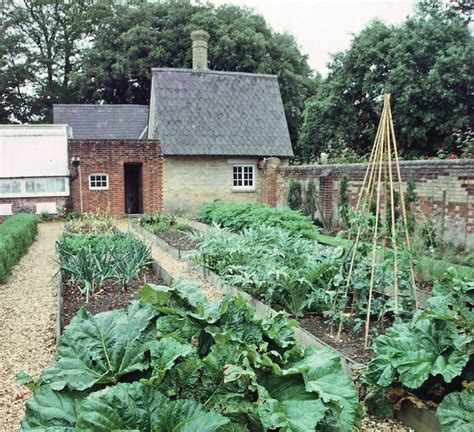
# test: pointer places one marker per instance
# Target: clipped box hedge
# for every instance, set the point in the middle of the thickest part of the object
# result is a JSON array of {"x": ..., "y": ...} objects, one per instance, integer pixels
[{"x": 17, "y": 233}]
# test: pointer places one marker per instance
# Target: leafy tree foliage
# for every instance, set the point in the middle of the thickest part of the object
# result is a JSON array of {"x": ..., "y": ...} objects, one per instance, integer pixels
[
  {"x": 39, "y": 46},
  {"x": 425, "y": 64},
  {"x": 135, "y": 38}
]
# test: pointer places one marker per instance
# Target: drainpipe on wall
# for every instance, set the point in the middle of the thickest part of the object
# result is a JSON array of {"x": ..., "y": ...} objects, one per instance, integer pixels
[{"x": 76, "y": 163}]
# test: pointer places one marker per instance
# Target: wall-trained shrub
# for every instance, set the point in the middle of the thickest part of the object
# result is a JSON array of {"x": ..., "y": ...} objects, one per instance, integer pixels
[
  {"x": 238, "y": 216},
  {"x": 16, "y": 235}
]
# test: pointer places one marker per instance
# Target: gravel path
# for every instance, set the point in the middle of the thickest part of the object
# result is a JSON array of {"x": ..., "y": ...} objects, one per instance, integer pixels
[
  {"x": 175, "y": 267},
  {"x": 27, "y": 323}
]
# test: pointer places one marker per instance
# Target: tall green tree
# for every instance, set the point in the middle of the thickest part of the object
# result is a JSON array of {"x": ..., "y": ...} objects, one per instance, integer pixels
[
  {"x": 425, "y": 63},
  {"x": 49, "y": 34},
  {"x": 14, "y": 75},
  {"x": 137, "y": 37}
]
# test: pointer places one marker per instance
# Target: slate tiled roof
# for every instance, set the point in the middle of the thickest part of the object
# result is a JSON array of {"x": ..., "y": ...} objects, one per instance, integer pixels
[
  {"x": 103, "y": 121},
  {"x": 218, "y": 113}
]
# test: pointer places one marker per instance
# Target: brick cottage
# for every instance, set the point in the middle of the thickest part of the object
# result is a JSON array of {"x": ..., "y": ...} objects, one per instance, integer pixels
[{"x": 216, "y": 133}]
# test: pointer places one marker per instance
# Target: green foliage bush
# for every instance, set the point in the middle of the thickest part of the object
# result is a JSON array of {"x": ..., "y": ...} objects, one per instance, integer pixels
[
  {"x": 309, "y": 208},
  {"x": 295, "y": 198},
  {"x": 237, "y": 216},
  {"x": 161, "y": 222},
  {"x": 17, "y": 233}
]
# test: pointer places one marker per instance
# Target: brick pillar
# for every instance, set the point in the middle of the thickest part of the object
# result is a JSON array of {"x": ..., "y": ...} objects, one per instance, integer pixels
[
  {"x": 269, "y": 179},
  {"x": 325, "y": 195}
]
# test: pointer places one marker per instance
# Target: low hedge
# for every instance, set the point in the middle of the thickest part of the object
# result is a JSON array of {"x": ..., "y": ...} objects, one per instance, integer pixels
[
  {"x": 17, "y": 233},
  {"x": 238, "y": 216}
]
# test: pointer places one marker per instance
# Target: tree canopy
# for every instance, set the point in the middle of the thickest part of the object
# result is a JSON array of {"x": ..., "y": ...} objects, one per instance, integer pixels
[
  {"x": 425, "y": 63},
  {"x": 104, "y": 51}
]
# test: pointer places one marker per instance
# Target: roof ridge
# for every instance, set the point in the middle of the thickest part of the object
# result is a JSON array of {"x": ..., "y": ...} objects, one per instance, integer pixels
[
  {"x": 102, "y": 105},
  {"x": 214, "y": 72}
]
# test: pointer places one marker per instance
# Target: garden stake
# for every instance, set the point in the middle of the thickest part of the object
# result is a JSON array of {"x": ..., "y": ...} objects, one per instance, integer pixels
[
  {"x": 374, "y": 239},
  {"x": 379, "y": 173},
  {"x": 370, "y": 168}
]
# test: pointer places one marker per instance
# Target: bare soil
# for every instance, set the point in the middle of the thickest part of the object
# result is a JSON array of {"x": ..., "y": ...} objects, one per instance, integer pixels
[
  {"x": 351, "y": 343},
  {"x": 179, "y": 240},
  {"x": 109, "y": 297}
]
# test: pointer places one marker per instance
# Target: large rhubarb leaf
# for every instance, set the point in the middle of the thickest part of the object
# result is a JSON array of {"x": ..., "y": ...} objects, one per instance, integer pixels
[
  {"x": 143, "y": 408},
  {"x": 415, "y": 351},
  {"x": 284, "y": 404},
  {"x": 164, "y": 355},
  {"x": 49, "y": 410},
  {"x": 323, "y": 374},
  {"x": 99, "y": 349},
  {"x": 456, "y": 412}
]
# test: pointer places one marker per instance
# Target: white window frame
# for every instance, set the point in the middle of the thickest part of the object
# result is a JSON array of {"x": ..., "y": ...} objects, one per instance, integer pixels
[
  {"x": 106, "y": 187},
  {"x": 24, "y": 194},
  {"x": 244, "y": 188}
]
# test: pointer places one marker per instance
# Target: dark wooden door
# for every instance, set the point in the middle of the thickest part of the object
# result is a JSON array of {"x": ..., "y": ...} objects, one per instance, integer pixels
[{"x": 133, "y": 188}]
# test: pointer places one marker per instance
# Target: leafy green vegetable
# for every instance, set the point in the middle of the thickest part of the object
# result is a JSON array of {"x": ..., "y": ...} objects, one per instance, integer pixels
[
  {"x": 51, "y": 410},
  {"x": 285, "y": 405},
  {"x": 456, "y": 411},
  {"x": 438, "y": 341},
  {"x": 435, "y": 348},
  {"x": 237, "y": 216},
  {"x": 275, "y": 265},
  {"x": 222, "y": 368},
  {"x": 142, "y": 407},
  {"x": 99, "y": 349}
]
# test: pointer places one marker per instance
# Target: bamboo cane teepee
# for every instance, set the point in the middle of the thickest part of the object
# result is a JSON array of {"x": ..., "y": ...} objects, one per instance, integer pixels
[{"x": 379, "y": 185}]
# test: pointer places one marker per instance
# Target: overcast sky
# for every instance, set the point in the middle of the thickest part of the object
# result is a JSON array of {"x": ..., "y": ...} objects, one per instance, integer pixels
[{"x": 323, "y": 27}]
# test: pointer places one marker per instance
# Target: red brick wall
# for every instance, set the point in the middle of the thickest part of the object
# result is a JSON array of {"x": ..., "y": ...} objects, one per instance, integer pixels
[
  {"x": 109, "y": 157},
  {"x": 445, "y": 191}
]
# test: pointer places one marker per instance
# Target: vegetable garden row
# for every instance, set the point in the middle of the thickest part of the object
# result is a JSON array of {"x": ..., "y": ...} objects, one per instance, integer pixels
[{"x": 171, "y": 360}]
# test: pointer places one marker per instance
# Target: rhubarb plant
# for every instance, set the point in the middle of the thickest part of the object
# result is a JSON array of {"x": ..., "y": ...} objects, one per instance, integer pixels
[
  {"x": 177, "y": 362},
  {"x": 434, "y": 351}
]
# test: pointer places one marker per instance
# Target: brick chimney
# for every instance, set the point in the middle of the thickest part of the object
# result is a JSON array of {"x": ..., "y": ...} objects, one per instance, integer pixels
[{"x": 200, "y": 38}]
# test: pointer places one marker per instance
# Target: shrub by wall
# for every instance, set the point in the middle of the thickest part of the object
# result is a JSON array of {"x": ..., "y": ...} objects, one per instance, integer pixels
[{"x": 17, "y": 233}]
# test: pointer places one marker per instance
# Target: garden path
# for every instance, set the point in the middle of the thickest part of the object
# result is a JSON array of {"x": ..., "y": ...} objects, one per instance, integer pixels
[
  {"x": 27, "y": 322},
  {"x": 176, "y": 268}
]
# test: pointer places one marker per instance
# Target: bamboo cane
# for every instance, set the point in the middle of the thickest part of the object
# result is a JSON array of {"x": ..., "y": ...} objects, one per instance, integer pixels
[
  {"x": 374, "y": 239},
  {"x": 394, "y": 238},
  {"x": 404, "y": 213},
  {"x": 374, "y": 155}
]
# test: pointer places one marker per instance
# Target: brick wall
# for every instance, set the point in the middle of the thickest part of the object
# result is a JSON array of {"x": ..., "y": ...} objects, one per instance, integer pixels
[
  {"x": 109, "y": 157},
  {"x": 445, "y": 191}
]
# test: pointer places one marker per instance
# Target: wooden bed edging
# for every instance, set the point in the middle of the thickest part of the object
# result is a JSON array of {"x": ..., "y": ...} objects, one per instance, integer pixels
[
  {"x": 59, "y": 305},
  {"x": 173, "y": 251}
]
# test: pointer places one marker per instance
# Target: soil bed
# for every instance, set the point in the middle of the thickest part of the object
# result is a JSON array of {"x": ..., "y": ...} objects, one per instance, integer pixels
[
  {"x": 351, "y": 343},
  {"x": 178, "y": 240},
  {"x": 109, "y": 297}
]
